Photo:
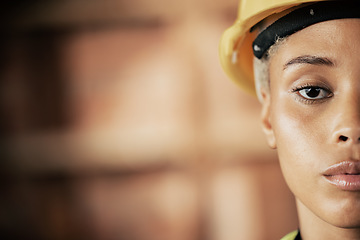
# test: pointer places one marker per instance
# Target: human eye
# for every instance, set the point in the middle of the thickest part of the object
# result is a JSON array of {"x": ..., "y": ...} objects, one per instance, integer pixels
[{"x": 312, "y": 94}]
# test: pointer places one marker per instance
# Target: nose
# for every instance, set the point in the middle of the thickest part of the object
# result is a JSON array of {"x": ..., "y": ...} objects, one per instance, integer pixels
[
  {"x": 347, "y": 135},
  {"x": 347, "y": 122}
]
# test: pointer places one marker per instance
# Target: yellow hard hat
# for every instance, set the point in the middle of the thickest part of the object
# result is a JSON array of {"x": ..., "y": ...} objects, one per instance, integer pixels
[{"x": 236, "y": 54}]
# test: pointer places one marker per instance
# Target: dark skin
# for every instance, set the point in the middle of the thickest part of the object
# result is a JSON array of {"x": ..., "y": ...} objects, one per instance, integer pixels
[{"x": 311, "y": 114}]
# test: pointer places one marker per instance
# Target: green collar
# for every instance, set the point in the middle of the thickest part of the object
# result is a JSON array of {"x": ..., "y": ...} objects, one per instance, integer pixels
[{"x": 295, "y": 235}]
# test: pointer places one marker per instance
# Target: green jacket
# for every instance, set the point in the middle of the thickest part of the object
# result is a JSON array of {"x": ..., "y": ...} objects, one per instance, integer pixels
[{"x": 292, "y": 236}]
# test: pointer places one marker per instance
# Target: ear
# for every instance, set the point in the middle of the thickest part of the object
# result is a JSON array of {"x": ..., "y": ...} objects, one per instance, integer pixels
[{"x": 265, "y": 119}]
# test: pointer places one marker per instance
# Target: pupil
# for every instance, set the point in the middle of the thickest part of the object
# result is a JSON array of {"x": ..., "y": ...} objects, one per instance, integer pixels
[{"x": 313, "y": 92}]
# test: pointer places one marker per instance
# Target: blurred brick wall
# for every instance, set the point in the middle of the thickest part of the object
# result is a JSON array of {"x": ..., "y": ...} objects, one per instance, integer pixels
[{"x": 118, "y": 123}]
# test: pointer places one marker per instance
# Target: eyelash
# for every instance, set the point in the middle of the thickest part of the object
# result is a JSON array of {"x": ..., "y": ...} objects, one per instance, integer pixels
[{"x": 310, "y": 101}]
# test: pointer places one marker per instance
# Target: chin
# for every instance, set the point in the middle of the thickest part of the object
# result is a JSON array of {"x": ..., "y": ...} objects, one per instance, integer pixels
[
  {"x": 348, "y": 225},
  {"x": 348, "y": 222},
  {"x": 345, "y": 217}
]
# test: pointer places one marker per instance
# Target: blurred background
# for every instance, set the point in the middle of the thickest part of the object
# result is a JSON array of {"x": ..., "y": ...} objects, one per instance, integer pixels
[{"x": 117, "y": 123}]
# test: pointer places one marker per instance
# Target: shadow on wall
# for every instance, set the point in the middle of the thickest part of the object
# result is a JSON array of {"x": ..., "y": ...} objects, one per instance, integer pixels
[{"x": 118, "y": 123}]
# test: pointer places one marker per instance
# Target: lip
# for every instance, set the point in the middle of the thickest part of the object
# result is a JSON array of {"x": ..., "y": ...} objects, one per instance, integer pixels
[{"x": 344, "y": 175}]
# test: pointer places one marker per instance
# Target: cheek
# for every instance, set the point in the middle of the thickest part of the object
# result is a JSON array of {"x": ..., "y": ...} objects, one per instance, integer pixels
[{"x": 300, "y": 143}]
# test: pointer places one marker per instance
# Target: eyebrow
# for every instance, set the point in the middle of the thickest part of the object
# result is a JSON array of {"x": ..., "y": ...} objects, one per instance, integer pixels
[{"x": 309, "y": 59}]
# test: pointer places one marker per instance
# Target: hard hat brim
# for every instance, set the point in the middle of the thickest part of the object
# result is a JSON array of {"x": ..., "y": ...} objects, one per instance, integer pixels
[{"x": 236, "y": 55}]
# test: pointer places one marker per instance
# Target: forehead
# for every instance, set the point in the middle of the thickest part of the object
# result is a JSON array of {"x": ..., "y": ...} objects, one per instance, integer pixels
[{"x": 336, "y": 39}]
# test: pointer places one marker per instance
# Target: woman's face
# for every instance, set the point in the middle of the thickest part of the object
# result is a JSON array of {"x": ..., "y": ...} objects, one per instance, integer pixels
[{"x": 312, "y": 116}]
